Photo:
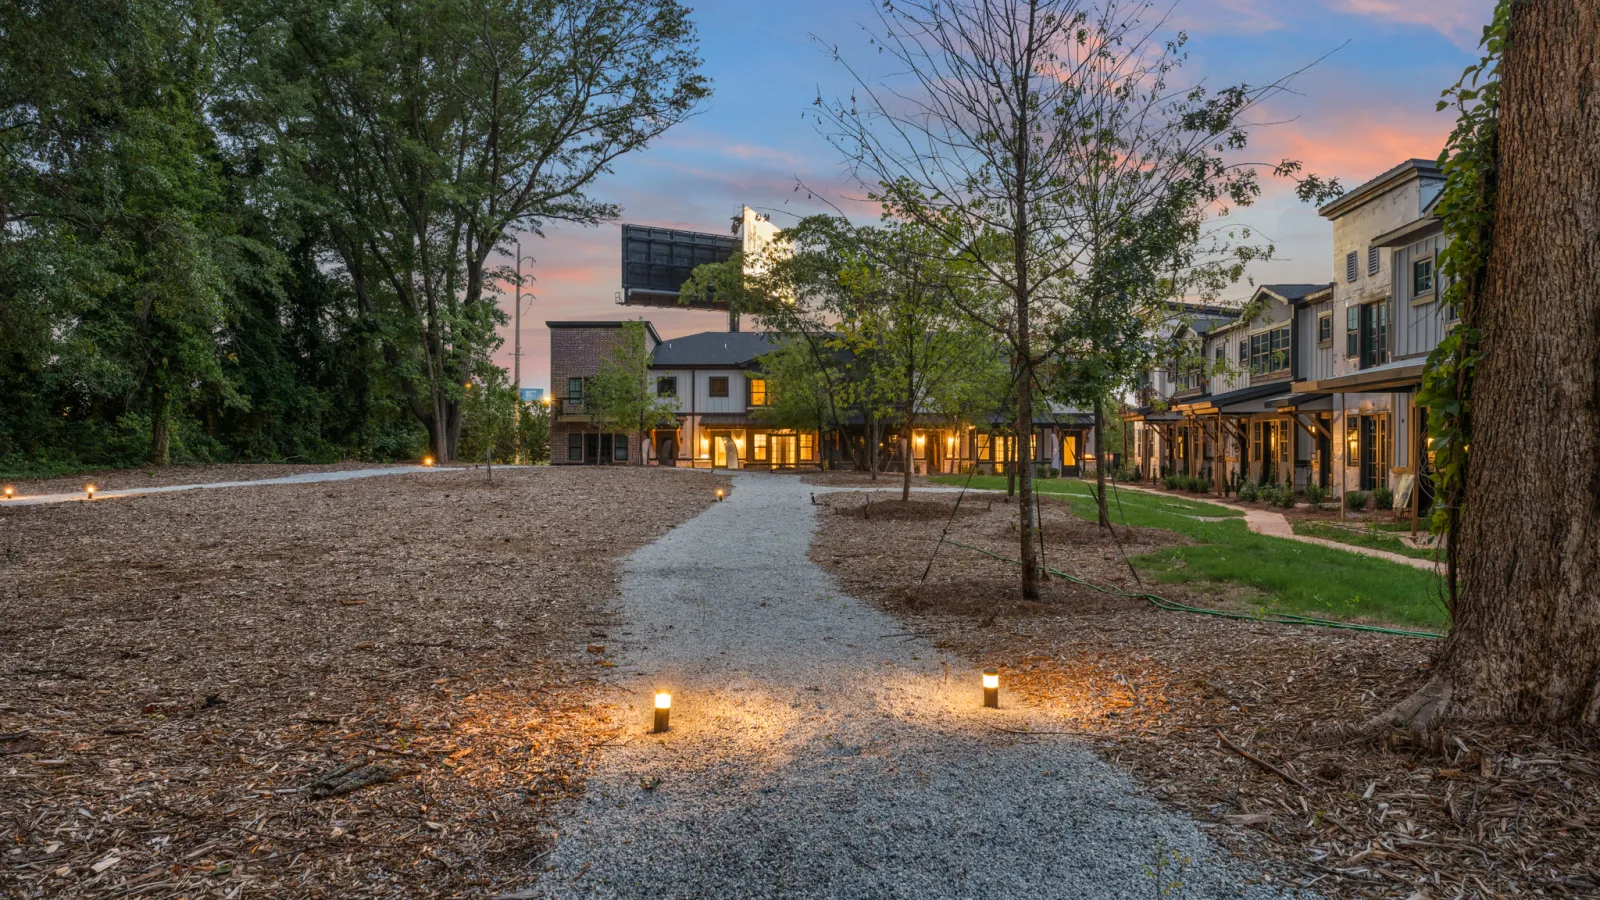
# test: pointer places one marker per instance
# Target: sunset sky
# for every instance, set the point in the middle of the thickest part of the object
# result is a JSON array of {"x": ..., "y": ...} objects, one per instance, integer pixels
[{"x": 1361, "y": 110}]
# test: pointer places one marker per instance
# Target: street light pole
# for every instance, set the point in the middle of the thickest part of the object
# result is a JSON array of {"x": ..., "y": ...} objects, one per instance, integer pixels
[{"x": 516, "y": 356}]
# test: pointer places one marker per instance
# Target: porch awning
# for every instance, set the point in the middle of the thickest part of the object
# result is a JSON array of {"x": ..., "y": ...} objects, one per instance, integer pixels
[
  {"x": 1305, "y": 403},
  {"x": 1217, "y": 402},
  {"x": 1402, "y": 374},
  {"x": 1250, "y": 407},
  {"x": 718, "y": 420}
]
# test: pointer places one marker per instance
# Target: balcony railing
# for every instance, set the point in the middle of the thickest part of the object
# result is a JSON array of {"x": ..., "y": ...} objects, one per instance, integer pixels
[{"x": 571, "y": 406}]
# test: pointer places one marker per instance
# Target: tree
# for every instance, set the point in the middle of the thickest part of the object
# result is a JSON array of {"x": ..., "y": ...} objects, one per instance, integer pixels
[
  {"x": 431, "y": 131},
  {"x": 991, "y": 139},
  {"x": 801, "y": 386},
  {"x": 619, "y": 395},
  {"x": 1512, "y": 393}
]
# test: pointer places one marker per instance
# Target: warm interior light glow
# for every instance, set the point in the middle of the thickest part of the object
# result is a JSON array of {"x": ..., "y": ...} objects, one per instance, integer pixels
[
  {"x": 991, "y": 678},
  {"x": 663, "y": 700}
]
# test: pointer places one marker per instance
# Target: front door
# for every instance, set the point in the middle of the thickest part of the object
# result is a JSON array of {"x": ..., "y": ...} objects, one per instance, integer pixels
[
  {"x": 783, "y": 449},
  {"x": 1069, "y": 455}
]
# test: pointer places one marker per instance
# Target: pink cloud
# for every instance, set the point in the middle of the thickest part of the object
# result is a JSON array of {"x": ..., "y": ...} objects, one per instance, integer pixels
[{"x": 1461, "y": 21}]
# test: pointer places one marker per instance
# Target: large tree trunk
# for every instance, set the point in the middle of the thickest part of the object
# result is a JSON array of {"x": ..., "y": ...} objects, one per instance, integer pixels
[
  {"x": 160, "y": 423},
  {"x": 1526, "y": 641},
  {"x": 905, "y": 454}
]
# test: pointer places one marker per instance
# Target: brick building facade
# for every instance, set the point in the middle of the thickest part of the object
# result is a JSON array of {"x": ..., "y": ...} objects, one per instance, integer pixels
[{"x": 576, "y": 351}]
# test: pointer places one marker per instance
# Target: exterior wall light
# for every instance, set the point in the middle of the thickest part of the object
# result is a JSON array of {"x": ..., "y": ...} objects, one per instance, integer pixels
[
  {"x": 88, "y": 491},
  {"x": 991, "y": 688},
  {"x": 663, "y": 711}
]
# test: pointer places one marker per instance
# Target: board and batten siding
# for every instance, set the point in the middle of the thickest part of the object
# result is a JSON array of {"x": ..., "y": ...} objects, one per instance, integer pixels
[
  {"x": 738, "y": 399},
  {"x": 1315, "y": 361},
  {"x": 1417, "y": 324},
  {"x": 684, "y": 377},
  {"x": 1233, "y": 377}
]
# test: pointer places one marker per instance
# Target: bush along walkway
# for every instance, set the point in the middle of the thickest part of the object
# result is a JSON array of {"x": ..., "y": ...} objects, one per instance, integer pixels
[{"x": 817, "y": 749}]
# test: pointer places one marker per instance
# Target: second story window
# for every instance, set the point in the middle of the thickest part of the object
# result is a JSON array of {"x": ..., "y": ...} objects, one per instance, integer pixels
[
  {"x": 1352, "y": 330},
  {"x": 1422, "y": 278},
  {"x": 1350, "y": 266},
  {"x": 667, "y": 386},
  {"x": 1372, "y": 260},
  {"x": 574, "y": 388},
  {"x": 1325, "y": 329},
  {"x": 719, "y": 386},
  {"x": 758, "y": 392},
  {"x": 1269, "y": 351}
]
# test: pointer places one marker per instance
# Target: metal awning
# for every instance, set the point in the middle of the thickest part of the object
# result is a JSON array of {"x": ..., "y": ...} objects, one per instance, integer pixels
[
  {"x": 1217, "y": 402},
  {"x": 1402, "y": 374},
  {"x": 1250, "y": 407},
  {"x": 1305, "y": 403}
]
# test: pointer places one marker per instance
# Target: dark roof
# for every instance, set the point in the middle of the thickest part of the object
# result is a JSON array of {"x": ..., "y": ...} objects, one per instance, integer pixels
[
  {"x": 713, "y": 348},
  {"x": 1253, "y": 392},
  {"x": 1425, "y": 168},
  {"x": 1292, "y": 292}
]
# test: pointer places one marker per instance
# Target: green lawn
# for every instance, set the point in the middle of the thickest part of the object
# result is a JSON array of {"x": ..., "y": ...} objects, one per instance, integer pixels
[
  {"x": 1289, "y": 576},
  {"x": 1377, "y": 538}
]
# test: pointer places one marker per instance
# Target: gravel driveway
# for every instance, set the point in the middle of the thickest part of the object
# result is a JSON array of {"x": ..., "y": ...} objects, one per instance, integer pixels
[{"x": 817, "y": 750}]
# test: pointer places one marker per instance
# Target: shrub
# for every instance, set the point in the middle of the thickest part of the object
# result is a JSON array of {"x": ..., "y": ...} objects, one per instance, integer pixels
[
  {"x": 1383, "y": 498},
  {"x": 1315, "y": 493},
  {"x": 1197, "y": 485},
  {"x": 1171, "y": 481},
  {"x": 1248, "y": 492},
  {"x": 1127, "y": 473},
  {"x": 1355, "y": 499},
  {"x": 1285, "y": 497}
]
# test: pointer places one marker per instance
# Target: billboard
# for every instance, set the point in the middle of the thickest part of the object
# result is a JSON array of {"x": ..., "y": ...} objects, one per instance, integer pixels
[
  {"x": 657, "y": 261},
  {"x": 532, "y": 395}
]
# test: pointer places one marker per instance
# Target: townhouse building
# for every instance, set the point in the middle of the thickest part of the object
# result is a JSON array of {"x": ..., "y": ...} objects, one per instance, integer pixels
[{"x": 1317, "y": 382}]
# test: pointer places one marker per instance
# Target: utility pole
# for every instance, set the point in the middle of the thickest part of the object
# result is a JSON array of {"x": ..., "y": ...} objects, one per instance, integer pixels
[{"x": 516, "y": 358}]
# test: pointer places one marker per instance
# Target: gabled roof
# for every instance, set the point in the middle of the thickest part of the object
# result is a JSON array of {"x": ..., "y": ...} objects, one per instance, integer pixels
[
  {"x": 1421, "y": 168},
  {"x": 1289, "y": 293},
  {"x": 731, "y": 349}
]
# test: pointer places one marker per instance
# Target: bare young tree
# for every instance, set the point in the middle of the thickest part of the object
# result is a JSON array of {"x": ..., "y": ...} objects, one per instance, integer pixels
[{"x": 1001, "y": 131}]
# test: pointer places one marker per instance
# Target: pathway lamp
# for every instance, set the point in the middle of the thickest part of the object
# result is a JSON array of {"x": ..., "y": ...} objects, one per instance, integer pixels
[
  {"x": 663, "y": 711},
  {"x": 10, "y": 492},
  {"x": 719, "y": 495},
  {"x": 427, "y": 461},
  {"x": 991, "y": 688},
  {"x": 88, "y": 491}
]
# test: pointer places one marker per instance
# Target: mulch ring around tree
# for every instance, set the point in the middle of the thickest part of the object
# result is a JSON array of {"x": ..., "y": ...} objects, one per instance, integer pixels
[
  {"x": 352, "y": 689},
  {"x": 1228, "y": 719}
]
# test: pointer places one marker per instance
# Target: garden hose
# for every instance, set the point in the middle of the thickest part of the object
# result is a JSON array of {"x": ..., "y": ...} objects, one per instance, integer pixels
[{"x": 1272, "y": 618}]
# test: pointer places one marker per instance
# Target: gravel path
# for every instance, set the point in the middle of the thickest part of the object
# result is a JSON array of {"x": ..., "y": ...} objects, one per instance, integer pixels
[{"x": 817, "y": 750}]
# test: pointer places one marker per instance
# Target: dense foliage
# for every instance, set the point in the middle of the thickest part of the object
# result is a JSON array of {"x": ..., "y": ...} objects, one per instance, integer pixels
[{"x": 272, "y": 229}]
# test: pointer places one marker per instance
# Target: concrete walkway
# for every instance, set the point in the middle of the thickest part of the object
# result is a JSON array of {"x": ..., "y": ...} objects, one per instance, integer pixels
[
  {"x": 818, "y": 749},
  {"x": 306, "y": 478}
]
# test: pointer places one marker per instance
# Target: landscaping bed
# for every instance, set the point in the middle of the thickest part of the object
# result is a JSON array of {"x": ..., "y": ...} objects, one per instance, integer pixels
[
  {"x": 1174, "y": 698},
  {"x": 351, "y": 689},
  {"x": 163, "y": 476}
]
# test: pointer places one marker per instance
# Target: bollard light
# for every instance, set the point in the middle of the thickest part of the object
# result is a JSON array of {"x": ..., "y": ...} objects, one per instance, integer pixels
[
  {"x": 663, "y": 711},
  {"x": 88, "y": 491},
  {"x": 991, "y": 688},
  {"x": 10, "y": 492},
  {"x": 427, "y": 460},
  {"x": 719, "y": 495}
]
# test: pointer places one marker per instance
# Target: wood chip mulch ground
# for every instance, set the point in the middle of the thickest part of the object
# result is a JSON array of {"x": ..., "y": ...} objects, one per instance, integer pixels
[
  {"x": 354, "y": 689},
  {"x": 163, "y": 476},
  {"x": 1226, "y": 719}
]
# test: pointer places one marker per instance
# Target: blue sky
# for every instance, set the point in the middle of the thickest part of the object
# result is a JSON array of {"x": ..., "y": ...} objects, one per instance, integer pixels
[{"x": 1361, "y": 110}]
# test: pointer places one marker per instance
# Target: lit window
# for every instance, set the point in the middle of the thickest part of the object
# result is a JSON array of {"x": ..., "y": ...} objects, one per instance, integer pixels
[
  {"x": 807, "y": 445},
  {"x": 761, "y": 446},
  {"x": 758, "y": 392},
  {"x": 1421, "y": 277},
  {"x": 719, "y": 386}
]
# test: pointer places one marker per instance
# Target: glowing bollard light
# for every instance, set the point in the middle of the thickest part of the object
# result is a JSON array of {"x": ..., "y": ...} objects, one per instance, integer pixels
[
  {"x": 427, "y": 461},
  {"x": 663, "y": 711},
  {"x": 991, "y": 688},
  {"x": 88, "y": 491},
  {"x": 10, "y": 492},
  {"x": 719, "y": 495}
]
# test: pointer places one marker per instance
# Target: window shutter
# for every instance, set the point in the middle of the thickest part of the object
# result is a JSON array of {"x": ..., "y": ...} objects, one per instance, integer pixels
[
  {"x": 1350, "y": 266},
  {"x": 1372, "y": 260}
]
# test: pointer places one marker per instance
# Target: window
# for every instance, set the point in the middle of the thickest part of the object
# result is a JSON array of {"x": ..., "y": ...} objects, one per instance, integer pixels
[
  {"x": 575, "y": 388},
  {"x": 574, "y": 448},
  {"x": 758, "y": 392},
  {"x": 807, "y": 445},
  {"x": 667, "y": 386},
  {"x": 1422, "y": 277},
  {"x": 719, "y": 386},
  {"x": 1372, "y": 260},
  {"x": 1325, "y": 329},
  {"x": 1374, "y": 334},
  {"x": 1350, "y": 266},
  {"x": 760, "y": 446},
  {"x": 1269, "y": 351},
  {"x": 1352, "y": 330},
  {"x": 1244, "y": 352},
  {"x": 619, "y": 451}
]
